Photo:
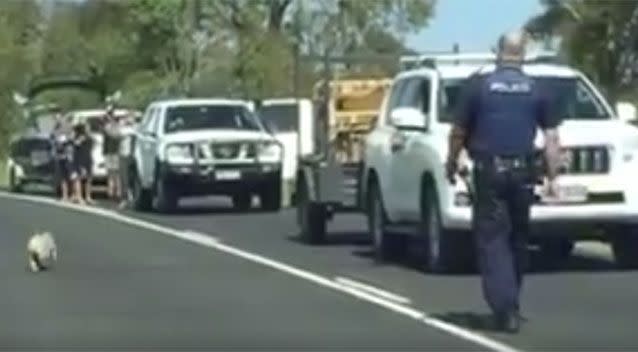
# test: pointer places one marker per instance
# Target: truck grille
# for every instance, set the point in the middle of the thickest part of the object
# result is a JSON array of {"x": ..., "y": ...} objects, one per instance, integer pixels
[
  {"x": 586, "y": 160},
  {"x": 226, "y": 150},
  {"x": 229, "y": 151}
]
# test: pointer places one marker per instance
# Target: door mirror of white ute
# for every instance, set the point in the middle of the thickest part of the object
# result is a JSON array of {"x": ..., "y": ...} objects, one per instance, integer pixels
[
  {"x": 407, "y": 117},
  {"x": 626, "y": 111}
]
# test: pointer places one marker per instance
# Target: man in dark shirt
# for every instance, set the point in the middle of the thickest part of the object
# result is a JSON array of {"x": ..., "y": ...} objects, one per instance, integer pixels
[
  {"x": 63, "y": 154},
  {"x": 497, "y": 123},
  {"x": 83, "y": 164}
]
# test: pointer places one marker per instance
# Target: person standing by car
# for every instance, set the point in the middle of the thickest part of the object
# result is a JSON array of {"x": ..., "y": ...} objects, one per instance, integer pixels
[
  {"x": 63, "y": 154},
  {"x": 83, "y": 164},
  {"x": 111, "y": 152},
  {"x": 497, "y": 123},
  {"x": 126, "y": 131}
]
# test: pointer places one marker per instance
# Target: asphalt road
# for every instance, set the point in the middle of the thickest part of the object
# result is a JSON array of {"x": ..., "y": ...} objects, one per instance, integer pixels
[{"x": 122, "y": 286}]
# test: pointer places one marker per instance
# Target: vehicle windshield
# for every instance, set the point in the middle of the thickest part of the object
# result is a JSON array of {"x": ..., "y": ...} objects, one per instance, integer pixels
[
  {"x": 280, "y": 117},
  {"x": 206, "y": 117},
  {"x": 571, "y": 98},
  {"x": 25, "y": 146}
]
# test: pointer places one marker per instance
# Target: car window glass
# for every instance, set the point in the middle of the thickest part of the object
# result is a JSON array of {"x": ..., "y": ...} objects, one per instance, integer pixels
[
  {"x": 394, "y": 99},
  {"x": 155, "y": 123},
  {"x": 410, "y": 97}
]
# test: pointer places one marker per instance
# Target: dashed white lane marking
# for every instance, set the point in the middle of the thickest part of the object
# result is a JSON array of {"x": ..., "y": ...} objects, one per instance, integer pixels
[
  {"x": 211, "y": 242},
  {"x": 373, "y": 290}
]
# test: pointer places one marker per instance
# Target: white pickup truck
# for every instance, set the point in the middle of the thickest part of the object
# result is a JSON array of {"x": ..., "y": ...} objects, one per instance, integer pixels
[
  {"x": 404, "y": 180},
  {"x": 199, "y": 147},
  {"x": 94, "y": 118},
  {"x": 291, "y": 120}
]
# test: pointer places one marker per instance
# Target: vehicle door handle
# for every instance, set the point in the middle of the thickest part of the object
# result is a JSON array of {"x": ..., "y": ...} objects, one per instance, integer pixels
[{"x": 397, "y": 143}]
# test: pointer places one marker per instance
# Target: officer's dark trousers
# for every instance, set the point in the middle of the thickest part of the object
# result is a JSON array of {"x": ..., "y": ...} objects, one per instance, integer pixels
[{"x": 501, "y": 225}]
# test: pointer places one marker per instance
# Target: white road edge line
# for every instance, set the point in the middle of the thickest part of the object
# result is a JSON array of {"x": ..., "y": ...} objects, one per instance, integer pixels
[
  {"x": 457, "y": 331},
  {"x": 373, "y": 290}
]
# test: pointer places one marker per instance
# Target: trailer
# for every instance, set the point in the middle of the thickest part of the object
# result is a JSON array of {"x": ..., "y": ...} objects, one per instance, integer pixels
[{"x": 328, "y": 180}]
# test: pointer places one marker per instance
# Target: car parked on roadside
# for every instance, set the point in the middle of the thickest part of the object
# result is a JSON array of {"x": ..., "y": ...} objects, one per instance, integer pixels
[
  {"x": 94, "y": 119},
  {"x": 199, "y": 147},
  {"x": 406, "y": 189},
  {"x": 30, "y": 161}
]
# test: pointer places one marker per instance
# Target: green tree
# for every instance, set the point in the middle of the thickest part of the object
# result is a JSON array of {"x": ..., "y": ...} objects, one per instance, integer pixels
[
  {"x": 18, "y": 30},
  {"x": 592, "y": 36}
]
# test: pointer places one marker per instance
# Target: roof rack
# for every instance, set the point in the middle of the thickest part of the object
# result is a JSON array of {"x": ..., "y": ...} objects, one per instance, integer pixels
[{"x": 431, "y": 61}]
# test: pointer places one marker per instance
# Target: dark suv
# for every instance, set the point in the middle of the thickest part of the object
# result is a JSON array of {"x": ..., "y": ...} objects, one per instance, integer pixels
[{"x": 31, "y": 160}]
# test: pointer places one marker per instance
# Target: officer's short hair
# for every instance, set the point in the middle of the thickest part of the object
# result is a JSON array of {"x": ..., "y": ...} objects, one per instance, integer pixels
[{"x": 511, "y": 45}]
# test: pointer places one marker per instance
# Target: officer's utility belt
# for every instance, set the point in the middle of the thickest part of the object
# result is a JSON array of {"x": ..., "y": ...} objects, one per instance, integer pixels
[{"x": 505, "y": 162}]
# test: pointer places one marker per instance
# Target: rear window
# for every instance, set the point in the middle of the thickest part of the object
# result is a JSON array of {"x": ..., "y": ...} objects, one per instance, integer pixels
[
  {"x": 281, "y": 117},
  {"x": 24, "y": 147}
]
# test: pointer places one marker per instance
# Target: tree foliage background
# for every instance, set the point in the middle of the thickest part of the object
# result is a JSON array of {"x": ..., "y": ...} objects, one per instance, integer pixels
[
  {"x": 151, "y": 49},
  {"x": 158, "y": 48},
  {"x": 599, "y": 37}
]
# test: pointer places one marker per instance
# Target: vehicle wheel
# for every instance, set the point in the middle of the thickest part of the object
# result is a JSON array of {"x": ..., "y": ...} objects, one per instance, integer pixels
[
  {"x": 57, "y": 188},
  {"x": 377, "y": 220},
  {"x": 445, "y": 251},
  {"x": 242, "y": 202},
  {"x": 141, "y": 197},
  {"x": 624, "y": 244},
  {"x": 164, "y": 198},
  {"x": 270, "y": 198},
  {"x": 14, "y": 185},
  {"x": 556, "y": 251},
  {"x": 311, "y": 218}
]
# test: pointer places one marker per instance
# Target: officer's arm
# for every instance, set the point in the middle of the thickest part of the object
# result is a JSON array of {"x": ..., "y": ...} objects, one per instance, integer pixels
[
  {"x": 549, "y": 122},
  {"x": 457, "y": 139}
]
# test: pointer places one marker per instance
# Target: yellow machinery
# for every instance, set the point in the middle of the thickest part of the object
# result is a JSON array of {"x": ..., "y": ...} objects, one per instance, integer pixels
[{"x": 353, "y": 108}]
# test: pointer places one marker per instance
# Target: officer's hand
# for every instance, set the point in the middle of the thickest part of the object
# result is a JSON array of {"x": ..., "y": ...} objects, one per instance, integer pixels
[
  {"x": 451, "y": 169},
  {"x": 551, "y": 189}
]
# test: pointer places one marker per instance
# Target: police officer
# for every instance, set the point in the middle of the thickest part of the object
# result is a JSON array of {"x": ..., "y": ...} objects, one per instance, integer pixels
[{"x": 497, "y": 122}]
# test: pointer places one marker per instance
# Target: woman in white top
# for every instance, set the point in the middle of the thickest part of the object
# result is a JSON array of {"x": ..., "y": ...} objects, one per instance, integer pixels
[{"x": 126, "y": 131}]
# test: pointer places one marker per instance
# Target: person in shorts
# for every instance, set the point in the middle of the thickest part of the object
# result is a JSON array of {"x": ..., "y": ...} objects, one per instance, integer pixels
[
  {"x": 63, "y": 154},
  {"x": 127, "y": 129},
  {"x": 111, "y": 152},
  {"x": 82, "y": 165}
]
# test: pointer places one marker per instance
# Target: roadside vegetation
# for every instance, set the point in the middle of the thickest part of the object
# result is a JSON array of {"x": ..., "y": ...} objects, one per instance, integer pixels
[{"x": 150, "y": 49}]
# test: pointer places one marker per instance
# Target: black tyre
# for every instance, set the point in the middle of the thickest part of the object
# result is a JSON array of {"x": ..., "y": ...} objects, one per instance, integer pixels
[
  {"x": 242, "y": 202},
  {"x": 377, "y": 221},
  {"x": 141, "y": 198},
  {"x": 14, "y": 185},
  {"x": 445, "y": 251},
  {"x": 556, "y": 251},
  {"x": 270, "y": 197},
  {"x": 164, "y": 197},
  {"x": 311, "y": 217},
  {"x": 624, "y": 244},
  {"x": 57, "y": 188}
]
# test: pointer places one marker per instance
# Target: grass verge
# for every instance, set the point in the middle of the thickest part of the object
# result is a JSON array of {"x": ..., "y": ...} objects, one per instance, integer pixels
[{"x": 3, "y": 175}]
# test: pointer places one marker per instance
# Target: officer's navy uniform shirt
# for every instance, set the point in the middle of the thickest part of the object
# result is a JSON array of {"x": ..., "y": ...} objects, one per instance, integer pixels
[{"x": 501, "y": 111}]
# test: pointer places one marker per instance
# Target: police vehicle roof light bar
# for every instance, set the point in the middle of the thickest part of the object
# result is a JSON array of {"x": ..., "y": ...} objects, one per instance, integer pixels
[{"x": 427, "y": 60}]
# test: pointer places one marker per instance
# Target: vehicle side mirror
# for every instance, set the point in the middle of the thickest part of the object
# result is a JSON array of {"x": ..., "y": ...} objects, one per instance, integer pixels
[
  {"x": 626, "y": 111},
  {"x": 409, "y": 118}
]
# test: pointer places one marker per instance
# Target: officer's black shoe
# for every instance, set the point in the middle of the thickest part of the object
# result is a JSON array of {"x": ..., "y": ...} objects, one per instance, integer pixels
[{"x": 509, "y": 322}]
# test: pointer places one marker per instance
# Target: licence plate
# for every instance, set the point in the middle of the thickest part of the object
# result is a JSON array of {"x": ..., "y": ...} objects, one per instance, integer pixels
[
  {"x": 39, "y": 158},
  {"x": 226, "y": 175},
  {"x": 567, "y": 194}
]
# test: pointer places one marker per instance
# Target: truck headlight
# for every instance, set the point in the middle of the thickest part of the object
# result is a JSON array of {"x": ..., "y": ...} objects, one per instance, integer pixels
[
  {"x": 270, "y": 151},
  {"x": 179, "y": 153}
]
